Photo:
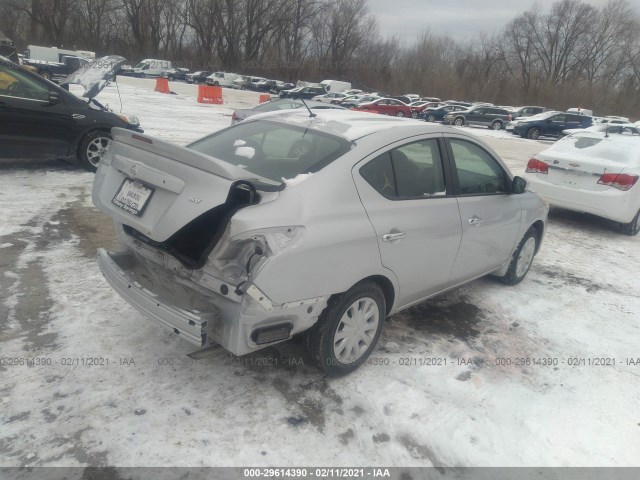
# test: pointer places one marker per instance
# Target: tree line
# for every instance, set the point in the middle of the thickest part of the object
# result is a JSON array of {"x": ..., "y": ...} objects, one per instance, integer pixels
[{"x": 572, "y": 54}]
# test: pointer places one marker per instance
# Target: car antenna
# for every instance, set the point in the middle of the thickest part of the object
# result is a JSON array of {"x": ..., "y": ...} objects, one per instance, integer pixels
[
  {"x": 115, "y": 79},
  {"x": 311, "y": 114}
]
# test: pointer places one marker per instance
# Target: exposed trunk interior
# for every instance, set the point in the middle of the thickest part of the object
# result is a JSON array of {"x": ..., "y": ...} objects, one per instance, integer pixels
[{"x": 193, "y": 243}]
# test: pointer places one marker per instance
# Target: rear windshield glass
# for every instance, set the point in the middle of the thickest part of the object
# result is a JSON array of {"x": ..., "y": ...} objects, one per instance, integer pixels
[{"x": 273, "y": 150}]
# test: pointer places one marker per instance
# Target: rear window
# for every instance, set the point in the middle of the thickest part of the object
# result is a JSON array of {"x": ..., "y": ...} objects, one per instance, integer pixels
[{"x": 273, "y": 150}]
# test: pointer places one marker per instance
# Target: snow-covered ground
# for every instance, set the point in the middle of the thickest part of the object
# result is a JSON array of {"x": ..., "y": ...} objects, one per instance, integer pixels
[{"x": 486, "y": 375}]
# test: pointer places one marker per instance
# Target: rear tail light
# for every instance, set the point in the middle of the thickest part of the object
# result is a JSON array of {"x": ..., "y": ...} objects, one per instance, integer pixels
[
  {"x": 537, "y": 166},
  {"x": 621, "y": 181},
  {"x": 509, "y": 118}
]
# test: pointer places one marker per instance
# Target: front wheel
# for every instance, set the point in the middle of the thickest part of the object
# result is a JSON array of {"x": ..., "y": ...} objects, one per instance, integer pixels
[
  {"x": 431, "y": 118},
  {"x": 522, "y": 258},
  {"x": 45, "y": 74},
  {"x": 496, "y": 125},
  {"x": 92, "y": 148},
  {"x": 414, "y": 114},
  {"x": 633, "y": 227},
  {"x": 348, "y": 329},
  {"x": 533, "y": 133},
  {"x": 400, "y": 114},
  {"x": 458, "y": 122}
]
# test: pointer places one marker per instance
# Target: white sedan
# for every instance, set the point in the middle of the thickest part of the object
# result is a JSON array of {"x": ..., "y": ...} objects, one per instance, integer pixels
[{"x": 593, "y": 172}]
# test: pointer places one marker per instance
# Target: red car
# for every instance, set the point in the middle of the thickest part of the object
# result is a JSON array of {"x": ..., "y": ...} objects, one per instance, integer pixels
[{"x": 386, "y": 106}]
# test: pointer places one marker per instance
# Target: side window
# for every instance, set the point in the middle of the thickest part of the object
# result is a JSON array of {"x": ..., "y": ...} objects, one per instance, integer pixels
[
  {"x": 478, "y": 172},
  {"x": 379, "y": 174},
  {"x": 14, "y": 83},
  {"x": 559, "y": 119},
  {"x": 410, "y": 171}
]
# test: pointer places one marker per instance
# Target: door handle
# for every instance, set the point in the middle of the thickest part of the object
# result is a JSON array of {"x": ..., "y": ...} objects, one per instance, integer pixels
[
  {"x": 474, "y": 220},
  {"x": 389, "y": 237}
]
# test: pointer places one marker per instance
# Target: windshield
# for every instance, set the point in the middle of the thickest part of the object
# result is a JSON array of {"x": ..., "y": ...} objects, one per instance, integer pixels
[
  {"x": 141, "y": 65},
  {"x": 273, "y": 150}
]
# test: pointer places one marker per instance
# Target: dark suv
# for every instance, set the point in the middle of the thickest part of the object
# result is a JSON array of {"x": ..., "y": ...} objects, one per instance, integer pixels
[
  {"x": 551, "y": 124},
  {"x": 492, "y": 117}
]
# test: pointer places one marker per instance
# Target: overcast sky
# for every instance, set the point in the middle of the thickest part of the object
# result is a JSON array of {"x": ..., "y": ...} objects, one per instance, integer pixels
[{"x": 460, "y": 18}]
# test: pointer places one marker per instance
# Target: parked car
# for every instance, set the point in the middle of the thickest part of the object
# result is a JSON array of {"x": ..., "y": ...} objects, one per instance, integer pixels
[
  {"x": 57, "y": 71},
  {"x": 41, "y": 120},
  {"x": 256, "y": 83},
  {"x": 357, "y": 100},
  {"x": 386, "y": 106},
  {"x": 303, "y": 92},
  {"x": 151, "y": 67},
  {"x": 593, "y": 172},
  {"x": 221, "y": 79},
  {"x": 492, "y": 117},
  {"x": 175, "y": 73},
  {"x": 403, "y": 98},
  {"x": 437, "y": 114},
  {"x": 335, "y": 86},
  {"x": 280, "y": 85},
  {"x": 615, "y": 126},
  {"x": 8, "y": 48},
  {"x": 279, "y": 105},
  {"x": 329, "y": 97},
  {"x": 517, "y": 121},
  {"x": 241, "y": 82},
  {"x": 197, "y": 77},
  {"x": 265, "y": 85},
  {"x": 550, "y": 124},
  {"x": 251, "y": 249},
  {"x": 528, "y": 111}
]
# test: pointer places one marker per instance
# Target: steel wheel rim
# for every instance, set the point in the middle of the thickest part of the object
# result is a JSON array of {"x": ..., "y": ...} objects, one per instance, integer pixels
[
  {"x": 458, "y": 122},
  {"x": 525, "y": 258},
  {"x": 356, "y": 330},
  {"x": 96, "y": 149}
]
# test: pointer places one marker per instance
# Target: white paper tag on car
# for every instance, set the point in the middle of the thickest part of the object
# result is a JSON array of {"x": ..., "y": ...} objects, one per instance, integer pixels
[{"x": 133, "y": 196}]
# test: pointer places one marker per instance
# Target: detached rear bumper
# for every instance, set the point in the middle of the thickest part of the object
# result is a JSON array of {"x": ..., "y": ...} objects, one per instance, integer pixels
[{"x": 189, "y": 325}]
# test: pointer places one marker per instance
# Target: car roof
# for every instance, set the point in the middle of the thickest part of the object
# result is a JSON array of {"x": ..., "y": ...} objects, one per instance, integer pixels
[{"x": 349, "y": 124}]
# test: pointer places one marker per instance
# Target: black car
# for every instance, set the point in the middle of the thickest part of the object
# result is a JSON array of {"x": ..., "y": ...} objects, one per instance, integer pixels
[
  {"x": 492, "y": 117},
  {"x": 305, "y": 92},
  {"x": 437, "y": 114},
  {"x": 175, "y": 74},
  {"x": 8, "y": 48},
  {"x": 550, "y": 125},
  {"x": 197, "y": 77},
  {"x": 41, "y": 120}
]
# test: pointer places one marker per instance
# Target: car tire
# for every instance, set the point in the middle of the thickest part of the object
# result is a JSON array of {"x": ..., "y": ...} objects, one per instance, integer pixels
[
  {"x": 45, "y": 74},
  {"x": 533, "y": 133},
  {"x": 414, "y": 114},
  {"x": 633, "y": 227},
  {"x": 329, "y": 344},
  {"x": 459, "y": 121},
  {"x": 496, "y": 125},
  {"x": 522, "y": 258},
  {"x": 431, "y": 118},
  {"x": 400, "y": 114},
  {"x": 171, "y": 78},
  {"x": 91, "y": 149},
  {"x": 216, "y": 84}
]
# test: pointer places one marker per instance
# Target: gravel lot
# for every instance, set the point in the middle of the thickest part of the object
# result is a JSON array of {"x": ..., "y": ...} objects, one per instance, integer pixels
[{"x": 486, "y": 375}]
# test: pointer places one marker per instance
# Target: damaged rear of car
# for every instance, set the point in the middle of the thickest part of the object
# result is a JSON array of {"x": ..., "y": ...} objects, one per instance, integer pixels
[{"x": 188, "y": 260}]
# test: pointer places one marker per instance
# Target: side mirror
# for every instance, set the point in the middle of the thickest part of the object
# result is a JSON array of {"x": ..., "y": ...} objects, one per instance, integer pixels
[
  {"x": 53, "y": 98},
  {"x": 518, "y": 185}
]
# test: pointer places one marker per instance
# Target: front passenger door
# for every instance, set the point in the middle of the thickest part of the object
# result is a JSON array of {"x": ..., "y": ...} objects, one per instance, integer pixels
[
  {"x": 30, "y": 125},
  {"x": 490, "y": 216}
]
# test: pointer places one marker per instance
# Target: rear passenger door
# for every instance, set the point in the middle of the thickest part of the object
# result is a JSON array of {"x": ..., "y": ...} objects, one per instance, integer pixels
[
  {"x": 416, "y": 219},
  {"x": 490, "y": 216}
]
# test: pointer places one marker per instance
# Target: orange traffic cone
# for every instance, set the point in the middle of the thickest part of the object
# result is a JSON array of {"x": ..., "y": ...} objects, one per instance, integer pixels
[{"x": 162, "y": 85}]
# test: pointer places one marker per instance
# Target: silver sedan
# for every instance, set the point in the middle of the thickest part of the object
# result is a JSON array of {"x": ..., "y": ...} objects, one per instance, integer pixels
[{"x": 322, "y": 222}]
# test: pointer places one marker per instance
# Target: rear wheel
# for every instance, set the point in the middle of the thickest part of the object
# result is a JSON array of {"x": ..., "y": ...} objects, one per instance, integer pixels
[
  {"x": 533, "y": 133},
  {"x": 633, "y": 227},
  {"x": 458, "y": 122},
  {"x": 431, "y": 118},
  {"x": 92, "y": 148},
  {"x": 496, "y": 125},
  {"x": 522, "y": 258},
  {"x": 348, "y": 329}
]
